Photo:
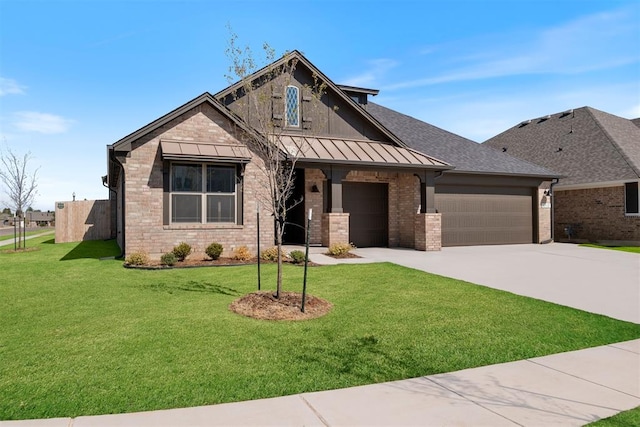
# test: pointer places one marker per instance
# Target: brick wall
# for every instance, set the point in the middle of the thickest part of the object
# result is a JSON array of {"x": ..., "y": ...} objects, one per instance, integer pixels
[
  {"x": 335, "y": 228},
  {"x": 314, "y": 201},
  {"x": 596, "y": 214},
  {"x": 428, "y": 231},
  {"x": 144, "y": 229},
  {"x": 544, "y": 214}
]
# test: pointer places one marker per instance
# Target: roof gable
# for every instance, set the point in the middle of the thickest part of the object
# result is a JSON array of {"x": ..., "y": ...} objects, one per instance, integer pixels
[
  {"x": 584, "y": 144},
  {"x": 344, "y": 103},
  {"x": 464, "y": 154},
  {"x": 124, "y": 144}
]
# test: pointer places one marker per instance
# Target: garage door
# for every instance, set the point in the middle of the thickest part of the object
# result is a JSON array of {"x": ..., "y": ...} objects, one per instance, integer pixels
[
  {"x": 368, "y": 208},
  {"x": 485, "y": 215}
]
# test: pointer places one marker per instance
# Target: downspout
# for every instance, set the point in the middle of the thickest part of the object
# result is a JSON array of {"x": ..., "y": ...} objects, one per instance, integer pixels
[
  {"x": 553, "y": 206},
  {"x": 121, "y": 169}
]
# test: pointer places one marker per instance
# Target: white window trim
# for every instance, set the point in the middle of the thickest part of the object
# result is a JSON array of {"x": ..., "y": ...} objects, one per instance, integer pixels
[
  {"x": 203, "y": 195},
  {"x": 286, "y": 112}
]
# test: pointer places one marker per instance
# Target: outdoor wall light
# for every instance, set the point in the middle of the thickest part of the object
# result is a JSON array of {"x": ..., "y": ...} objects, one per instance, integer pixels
[{"x": 315, "y": 189}]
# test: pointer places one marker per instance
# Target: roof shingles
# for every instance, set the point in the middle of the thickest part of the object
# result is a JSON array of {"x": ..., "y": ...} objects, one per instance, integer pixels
[
  {"x": 464, "y": 154},
  {"x": 586, "y": 145}
]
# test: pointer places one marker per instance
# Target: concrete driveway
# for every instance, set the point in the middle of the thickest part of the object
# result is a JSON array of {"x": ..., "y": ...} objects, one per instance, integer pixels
[{"x": 595, "y": 280}]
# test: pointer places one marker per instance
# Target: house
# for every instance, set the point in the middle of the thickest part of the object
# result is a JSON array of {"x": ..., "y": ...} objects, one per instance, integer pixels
[
  {"x": 368, "y": 174},
  {"x": 42, "y": 219},
  {"x": 598, "y": 155}
]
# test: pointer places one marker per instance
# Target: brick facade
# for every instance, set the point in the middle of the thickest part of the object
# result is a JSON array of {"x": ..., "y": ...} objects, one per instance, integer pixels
[
  {"x": 428, "y": 231},
  {"x": 335, "y": 228},
  {"x": 594, "y": 214},
  {"x": 544, "y": 213},
  {"x": 143, "y": 202}
]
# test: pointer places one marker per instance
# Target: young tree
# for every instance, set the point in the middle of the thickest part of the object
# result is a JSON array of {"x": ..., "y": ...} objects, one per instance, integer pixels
[
  {"x": 253, "y": 91},
  {"x": 20, "y": 184}
]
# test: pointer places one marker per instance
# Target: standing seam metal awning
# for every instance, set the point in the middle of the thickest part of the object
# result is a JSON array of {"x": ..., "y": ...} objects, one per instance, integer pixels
[
  {"x": 346, "y": 151},
  {"x": 181, "y": 150}
]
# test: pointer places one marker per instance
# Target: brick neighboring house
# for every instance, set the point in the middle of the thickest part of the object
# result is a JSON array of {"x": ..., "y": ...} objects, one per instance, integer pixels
[
  {"x": 189, "y": 177},
  {"x": 599, "y": 155}
]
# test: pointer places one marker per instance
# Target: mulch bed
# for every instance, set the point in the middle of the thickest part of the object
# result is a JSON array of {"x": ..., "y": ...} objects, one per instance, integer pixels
[
  {"x": 206, "y": 262},
  {"x": 344, "y": 256},
  {"x": 263, "y": 305}
]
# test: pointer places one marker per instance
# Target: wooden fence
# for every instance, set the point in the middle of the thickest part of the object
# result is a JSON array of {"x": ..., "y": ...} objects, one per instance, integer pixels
[{"x": 83, "y": 220}]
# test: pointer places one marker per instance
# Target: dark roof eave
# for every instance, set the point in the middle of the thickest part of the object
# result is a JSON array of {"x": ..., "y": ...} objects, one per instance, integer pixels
[{"x": 513, "y": 174}]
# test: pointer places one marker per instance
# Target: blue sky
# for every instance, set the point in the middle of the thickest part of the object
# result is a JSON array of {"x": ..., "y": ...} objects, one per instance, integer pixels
[{"x": 78, "y": 75}]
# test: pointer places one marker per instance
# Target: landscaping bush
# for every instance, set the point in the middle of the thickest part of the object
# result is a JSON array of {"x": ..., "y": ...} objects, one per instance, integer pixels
[
  {"x": 182, "y": 251},
  {"x": 297, "y": 256},
  {"x": 214, "y": 250},
  {"x": 339, "y": 249},
  {"x": 168, "y": 259},
  {"x": 242, "y": 254},
  {"x": 137, "y": 258},
  {"x": 271, "y": 254}
]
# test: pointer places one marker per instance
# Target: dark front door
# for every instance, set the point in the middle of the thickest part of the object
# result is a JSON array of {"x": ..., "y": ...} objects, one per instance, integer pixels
[
  {"x": 368, "y": 208},
  {"x": 294, "y": 229}
]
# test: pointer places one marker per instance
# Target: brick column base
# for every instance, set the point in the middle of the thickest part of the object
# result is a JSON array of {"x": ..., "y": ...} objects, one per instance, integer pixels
[
  {"x": 428, "y": 229},
  {"x": 335, "y": 228}
]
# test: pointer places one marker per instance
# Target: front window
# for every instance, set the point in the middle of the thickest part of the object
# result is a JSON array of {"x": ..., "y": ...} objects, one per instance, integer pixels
[
  {"x": 292, "y": 106},
  {"x": 203, "y": 191}
]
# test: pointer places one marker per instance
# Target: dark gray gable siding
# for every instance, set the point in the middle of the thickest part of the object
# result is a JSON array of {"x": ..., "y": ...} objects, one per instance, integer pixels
[
  {"x": 584, "y": 144},
  {"x": 464, "y": 154}
]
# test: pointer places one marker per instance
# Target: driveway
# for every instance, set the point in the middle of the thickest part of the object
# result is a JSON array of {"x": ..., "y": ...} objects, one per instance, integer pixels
[{"x": 595, "y": 280}]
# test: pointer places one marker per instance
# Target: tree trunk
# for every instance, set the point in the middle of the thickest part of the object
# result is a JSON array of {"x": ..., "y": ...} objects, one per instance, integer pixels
[{"x": 279, "y": 227}]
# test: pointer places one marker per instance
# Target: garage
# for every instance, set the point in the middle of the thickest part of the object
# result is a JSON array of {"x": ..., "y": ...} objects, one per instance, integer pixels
[
  {"x": 482, "y": 215},
  {"x": 368, "y": 208}
]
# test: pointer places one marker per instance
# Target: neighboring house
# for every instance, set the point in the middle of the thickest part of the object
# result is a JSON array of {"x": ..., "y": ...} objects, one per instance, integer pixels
[
  {"x": 370, "y": 178},
  {"x": 42, "y": 219},
  {"x": 598, "y": 155}
]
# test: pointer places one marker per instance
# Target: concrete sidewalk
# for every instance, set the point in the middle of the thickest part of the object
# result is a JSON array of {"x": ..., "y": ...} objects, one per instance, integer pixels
[{"x": 567, "y": 389}]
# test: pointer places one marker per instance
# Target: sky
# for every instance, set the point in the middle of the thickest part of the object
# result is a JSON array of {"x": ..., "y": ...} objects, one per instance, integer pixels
[{"x": 76, "y": 76}]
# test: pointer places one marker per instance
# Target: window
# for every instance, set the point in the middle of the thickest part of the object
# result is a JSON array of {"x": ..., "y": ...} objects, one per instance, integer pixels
[
  {"x": 631, "y": 198},
  {"x": 203, "y": 191},
  {"x": 292, "y": 106}
]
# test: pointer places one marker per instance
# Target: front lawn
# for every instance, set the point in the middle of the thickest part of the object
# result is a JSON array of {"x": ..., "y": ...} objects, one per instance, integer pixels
[
  {"x": 81, "y": 336},
  {"x": 632, "y": 249}
]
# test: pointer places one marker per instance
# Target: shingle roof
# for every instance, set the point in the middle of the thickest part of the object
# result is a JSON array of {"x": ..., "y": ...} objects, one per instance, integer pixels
[
  {"x": 585, "y": 144},
  {"x": 464, "y": 154}
]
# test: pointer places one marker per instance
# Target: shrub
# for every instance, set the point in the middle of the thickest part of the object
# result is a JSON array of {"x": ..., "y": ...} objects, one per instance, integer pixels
[
  {"x": 214, "y": 250},
  {"x": 168, "y": 259},
  {"x": 338, "y": 249},
  {"x": 137, "y": 258},
  {"x": 297, "y": 256},
  {"x": 182, "y": 251},
  {"x": 271, "y": 254},
  {"x": 242, "y": 254}
]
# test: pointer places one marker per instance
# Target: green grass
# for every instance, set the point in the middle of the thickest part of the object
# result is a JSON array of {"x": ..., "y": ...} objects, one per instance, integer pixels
[
  {"x": 632, "y": 249},
  {"x": 630, "y": 418},
  {"x": 81, "y": 336}
]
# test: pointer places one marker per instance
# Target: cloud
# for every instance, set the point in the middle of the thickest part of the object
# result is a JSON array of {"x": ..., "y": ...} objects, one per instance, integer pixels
[
  {"x": 377, "y": 69},
  {"x": 32, "y": 121},
  {"x": 10, "y": 87},
  {"x": 594, "y": 42}
]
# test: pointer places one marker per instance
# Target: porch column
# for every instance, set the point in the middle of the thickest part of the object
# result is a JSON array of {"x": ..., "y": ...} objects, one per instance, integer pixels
[
  {"x": 428, "y": 223},
  {"x": 335, "y": 222},
  {"x": 427, "y": 192}
]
